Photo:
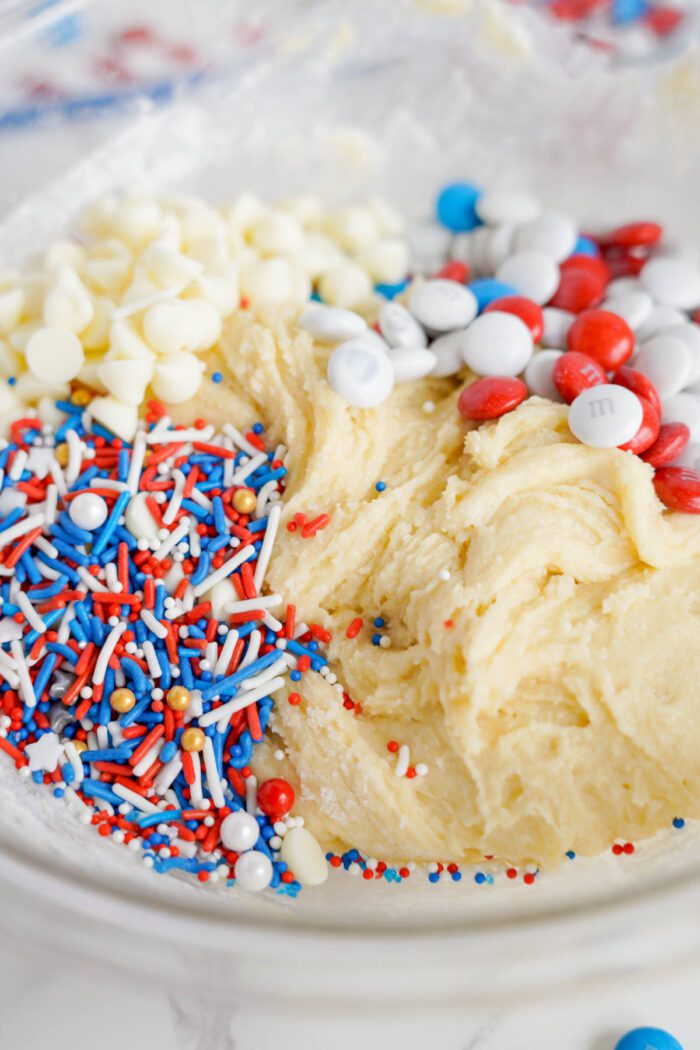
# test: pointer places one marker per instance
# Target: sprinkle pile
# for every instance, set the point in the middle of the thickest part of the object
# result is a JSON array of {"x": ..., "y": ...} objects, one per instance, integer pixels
[{"x": 138, "y": 657}]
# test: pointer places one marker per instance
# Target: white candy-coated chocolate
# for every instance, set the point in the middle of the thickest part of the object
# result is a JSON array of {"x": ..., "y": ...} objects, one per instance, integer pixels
[
  {"x": 399, "y": 327},
  {"x": 497, "y": 344},
  {"x": 533, "y": 274},
  {"x": 672, "y": 282},
  {"x": 551, "y": 233},
  {"x": 301, "y": 852},
  {"x": 512, "y": 206},
  {"x": 54, "y": 355},
  {"x": 449, "y": 354},
  {"x": 332, "y": 324},
  {"x": 442, "y": 305},
  {"x": 605, "y": 416},
  {"x": 556, "y": 327},
  {"x": 683, "y": 408},
  {"x": 667, "y": 361},
  {"x": 538, "y": 374},
  {"x": 410, "y": 363},
  {"x": 360, "y": 373}
]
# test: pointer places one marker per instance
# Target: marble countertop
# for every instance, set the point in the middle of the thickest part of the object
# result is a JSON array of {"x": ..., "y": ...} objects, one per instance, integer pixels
[{"x": 48, "y": 1000}]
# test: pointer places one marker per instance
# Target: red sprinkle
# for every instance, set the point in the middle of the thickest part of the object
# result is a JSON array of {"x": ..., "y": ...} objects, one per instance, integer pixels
[{"x": 354, "y": 627}]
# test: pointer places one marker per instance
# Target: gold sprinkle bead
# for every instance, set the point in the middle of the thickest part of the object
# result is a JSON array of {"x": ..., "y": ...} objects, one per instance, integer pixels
[
  {"x": 193, "y": 739},
  {"x": 79, "y": 746},
  {"x": 81, "y": 397},
  {"x": 244, "y": 501},
  {"x": 122, "y": 700},
  {"x": 178, "y": 698},
  {"x": 61, "y": 454}
]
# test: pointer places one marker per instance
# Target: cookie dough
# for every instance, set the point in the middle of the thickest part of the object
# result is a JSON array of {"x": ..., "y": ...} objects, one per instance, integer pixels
[{"x": 549, "y": 684}]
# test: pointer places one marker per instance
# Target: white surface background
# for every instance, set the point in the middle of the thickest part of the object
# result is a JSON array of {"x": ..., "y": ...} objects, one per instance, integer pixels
[{"x": 48, "y": 1001}]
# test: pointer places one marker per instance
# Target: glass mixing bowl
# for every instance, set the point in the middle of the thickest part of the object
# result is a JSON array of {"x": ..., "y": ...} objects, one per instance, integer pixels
[{"x": 316, "y": 97}]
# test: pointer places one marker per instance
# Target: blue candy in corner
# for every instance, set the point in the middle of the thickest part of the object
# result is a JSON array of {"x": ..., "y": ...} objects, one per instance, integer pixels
[
  {"x": 648, "y": 1039},
  {"x": 455, "y": 207}
]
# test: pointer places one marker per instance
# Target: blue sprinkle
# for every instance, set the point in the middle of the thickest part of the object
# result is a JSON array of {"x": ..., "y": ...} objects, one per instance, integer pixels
[
  {"x": 455, "y": 207},
  {"x": 380, "y": 486},
  {"x": 434, "y": 876},
  {"x": 379, "y": 621},
  {"x": 257, "y": 428},
  {"x": 570, "y": 854},
  {"x": 217, "y": 377},
  {"x": 457, "y": 876},
  {"x": 678, "y": 822},
  {"x": 295, "y": 675},
  {"x": 479, "y": 878},
  {"x": 376, "y": 639},
  {"x": 11, "y": 381}
]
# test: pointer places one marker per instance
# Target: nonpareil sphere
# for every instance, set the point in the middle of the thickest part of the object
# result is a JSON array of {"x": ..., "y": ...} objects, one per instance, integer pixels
[{"x": 88, "y": 511}]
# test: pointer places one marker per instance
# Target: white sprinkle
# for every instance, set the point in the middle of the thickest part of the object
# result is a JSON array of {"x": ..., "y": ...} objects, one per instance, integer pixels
[
  {"x": 269, "y": 601},
  {"x": 252, "y": 650},
  {"x": 153, "y": 625},
  {"x": 238, "y": 439},
  {"x": 137, "y": 457},
  {"x": 90, "y": 582},
  {"x": 74, "y": 759},
  {"x": 166, "y": 437},
  {"x": 50, "y": 504},
  {"x": 172, "y": 540},
  {"x": 30, "y": 612},
  {"x": 245, "y": 699},
  {"x": 21, "y": 528},
  {"x": 136, "y": 800},
  {"x": 402, "y": 761},
  {"x": 227, "y": 568},
  {"x": 167, "y": 775},
  {"x": 108, "y": 648},
  {"x": 263, "y": 496},
  {"x": 148, "y": 759},
  {"x": 176, "y": 498},
  {"x": 196, "y": 798},
  {"x": 213, "y": 779},
  {"x": 251, "y": 794},
  {"x": 253, "y": 463},
  {"x": 25, "y": 683},
  {"x": 18, "y": 465},
  {"x": 421, "y": 769},
  {"x": 267, "y": 545},
  {"x": 444, "y": 575}
]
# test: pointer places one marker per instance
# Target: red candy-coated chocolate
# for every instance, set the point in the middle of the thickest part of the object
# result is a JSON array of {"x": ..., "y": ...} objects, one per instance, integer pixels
[
  {"x": 663, "y": 20},
  {"x": 679, "y": 489},
  {"x": 491, "y": 397},
  {"x": 573, "y": 373},
  {"x": 578, "y": 290},
  {"x": 604, "y": 336},
  {"x": 523, "y": 308},
  {"x": 454, "y": 271},
  {"x": 625, "y": 264},
  {"x": 638, "y": 384},
  {"x": 648, "y": 429},
  {"x": 635, "y": 235},
  {"x": 586, "y": 262},
  {"x": 672, "y": 439},
  {"x": 275, "y": 798}
]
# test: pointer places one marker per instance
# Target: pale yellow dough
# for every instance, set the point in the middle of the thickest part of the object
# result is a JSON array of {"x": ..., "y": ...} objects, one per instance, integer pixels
[{"x": 561, "y": 709}]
